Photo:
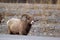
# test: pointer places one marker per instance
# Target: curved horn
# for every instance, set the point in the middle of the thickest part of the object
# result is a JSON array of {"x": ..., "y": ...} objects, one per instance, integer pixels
[{"x": 28, "y": 17}]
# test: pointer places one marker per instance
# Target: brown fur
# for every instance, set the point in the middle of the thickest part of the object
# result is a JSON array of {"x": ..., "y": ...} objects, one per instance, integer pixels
[{"x": 20, "y": 26}]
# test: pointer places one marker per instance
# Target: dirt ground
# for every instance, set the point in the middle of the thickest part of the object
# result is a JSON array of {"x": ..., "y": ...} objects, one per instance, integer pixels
[{"x": 39, "y": 28}]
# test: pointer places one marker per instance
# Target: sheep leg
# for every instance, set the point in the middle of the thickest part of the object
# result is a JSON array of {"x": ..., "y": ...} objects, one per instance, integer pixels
[
  {"x": 9, "y": 31},
  {"x": 22, "y": 33}
]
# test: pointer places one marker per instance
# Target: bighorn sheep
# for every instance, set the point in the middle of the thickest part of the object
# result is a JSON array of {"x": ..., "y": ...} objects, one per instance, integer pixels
[{"x": 20, "y": 26}]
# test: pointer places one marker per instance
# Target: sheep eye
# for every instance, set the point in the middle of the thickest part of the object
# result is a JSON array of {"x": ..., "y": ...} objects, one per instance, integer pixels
[{"x": 28, "y": 18}]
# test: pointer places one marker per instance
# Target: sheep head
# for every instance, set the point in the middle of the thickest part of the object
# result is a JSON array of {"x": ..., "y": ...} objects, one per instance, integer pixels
[{"x": 27, "y": 17}]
